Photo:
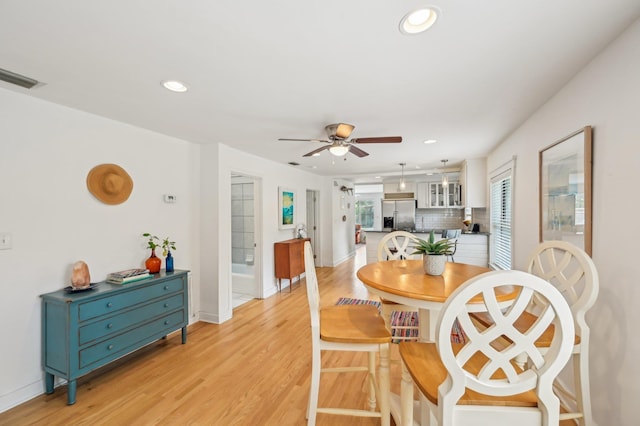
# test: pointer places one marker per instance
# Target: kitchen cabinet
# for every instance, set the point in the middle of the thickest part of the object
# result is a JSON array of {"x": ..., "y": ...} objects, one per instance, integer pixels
[
  {"x": 473, "y": 178},
  {"x": 422, "y": 195},
  {"x": 444, "y": 196},
  {"x": 392, "y": 187}
]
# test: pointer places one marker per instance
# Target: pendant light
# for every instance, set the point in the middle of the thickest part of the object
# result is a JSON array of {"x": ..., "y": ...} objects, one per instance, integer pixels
[
  {"x": 445, "y": 180},
  {"x": 402, "y": 185}
]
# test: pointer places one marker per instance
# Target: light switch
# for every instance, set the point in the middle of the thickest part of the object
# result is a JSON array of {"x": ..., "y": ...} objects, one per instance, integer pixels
[
  {"x": 5, "y": 240},
  {"x": 170, "y": 198}
]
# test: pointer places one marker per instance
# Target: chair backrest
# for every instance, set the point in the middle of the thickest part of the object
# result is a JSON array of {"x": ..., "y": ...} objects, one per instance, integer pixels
[
  {"x": 452, "y": 234},
  {"x": 396, "y": 245},
  {"x": 479, "y": 374},
  {"x": 313, "y": 295},
  {"x": 573, "y": 273}
]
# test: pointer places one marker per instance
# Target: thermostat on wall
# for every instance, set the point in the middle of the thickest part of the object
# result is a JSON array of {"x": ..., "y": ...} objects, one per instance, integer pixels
[{"x": 168, "y": 198}]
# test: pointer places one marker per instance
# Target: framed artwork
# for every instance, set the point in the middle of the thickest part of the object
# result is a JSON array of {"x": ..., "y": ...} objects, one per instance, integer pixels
[
  {"x": 286, "y": 208},
  {"x": 565, "y": 169}
]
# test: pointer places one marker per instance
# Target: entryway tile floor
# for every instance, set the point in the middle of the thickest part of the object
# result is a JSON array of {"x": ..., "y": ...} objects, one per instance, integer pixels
[{"x": 239, "y": 299}]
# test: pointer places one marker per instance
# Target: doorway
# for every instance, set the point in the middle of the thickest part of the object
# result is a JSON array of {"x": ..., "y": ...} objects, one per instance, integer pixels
[{"x": 245, "y": 259}]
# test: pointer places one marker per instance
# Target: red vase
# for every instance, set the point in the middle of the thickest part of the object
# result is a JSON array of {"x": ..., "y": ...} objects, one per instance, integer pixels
[{"x": 153, "y": 263}]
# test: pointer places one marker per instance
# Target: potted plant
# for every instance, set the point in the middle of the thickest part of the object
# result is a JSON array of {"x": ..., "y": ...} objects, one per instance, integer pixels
[
  {"x": 153, "y": 263},
  {"x": 434, "y": 253},
  {"x": 167, "y": 246}
]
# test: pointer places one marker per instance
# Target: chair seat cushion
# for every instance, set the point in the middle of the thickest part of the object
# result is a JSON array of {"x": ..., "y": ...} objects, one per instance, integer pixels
[
  {"x": 353, "y": 324},
  {"x": 423, "y": 363},
  {"x": 523, "y": 324}
]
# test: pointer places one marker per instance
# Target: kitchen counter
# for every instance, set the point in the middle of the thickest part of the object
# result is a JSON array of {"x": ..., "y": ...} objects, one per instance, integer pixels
[
  {"x": 472, "y": 247},
  {"x": 425, "y": 231}
]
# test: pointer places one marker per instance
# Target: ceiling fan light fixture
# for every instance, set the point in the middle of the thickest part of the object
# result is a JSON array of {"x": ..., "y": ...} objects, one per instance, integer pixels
[
  {"x": 419, "y": 20},
  {"x": 343, "y": 131},
  {"x": 430, "y": 141},
  {"x": 339, "y": 150}
]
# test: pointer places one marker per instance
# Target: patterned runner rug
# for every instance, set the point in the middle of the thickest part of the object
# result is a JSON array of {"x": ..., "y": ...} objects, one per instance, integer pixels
[{"x": 404, "y": 325}]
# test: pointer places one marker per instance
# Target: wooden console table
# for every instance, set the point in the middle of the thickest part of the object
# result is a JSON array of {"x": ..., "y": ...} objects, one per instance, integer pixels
[
  {"x": 83, "y": 331},
  {"x": 289, "y": 259}
]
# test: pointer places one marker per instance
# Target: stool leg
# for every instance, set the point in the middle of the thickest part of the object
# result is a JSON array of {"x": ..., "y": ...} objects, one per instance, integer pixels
[{"x": 385, "y": 386}]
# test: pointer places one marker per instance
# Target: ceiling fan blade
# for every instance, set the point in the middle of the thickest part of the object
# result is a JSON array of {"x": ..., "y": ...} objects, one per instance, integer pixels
[
  {"x": 315, "y": 151},
  {"x": 357, "y": 151},
  {"x": 384, "y": 139},
  {"x": 303, "y": 140}
]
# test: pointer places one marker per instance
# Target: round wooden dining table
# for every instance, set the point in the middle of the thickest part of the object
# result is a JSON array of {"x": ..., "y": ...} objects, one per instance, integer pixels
[{"x": 405, "y": 282}]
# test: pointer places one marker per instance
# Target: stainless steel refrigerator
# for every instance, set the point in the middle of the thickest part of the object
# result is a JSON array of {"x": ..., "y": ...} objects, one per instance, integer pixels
[{"x": 398, "y": 215}]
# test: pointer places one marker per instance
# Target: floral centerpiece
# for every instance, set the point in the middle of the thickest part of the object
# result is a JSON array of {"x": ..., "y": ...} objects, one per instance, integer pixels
[{"x": 153, "y": 263}]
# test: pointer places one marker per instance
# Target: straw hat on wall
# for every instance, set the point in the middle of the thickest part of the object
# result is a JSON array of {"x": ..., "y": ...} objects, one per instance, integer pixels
[{"x": 109, "y": 183}]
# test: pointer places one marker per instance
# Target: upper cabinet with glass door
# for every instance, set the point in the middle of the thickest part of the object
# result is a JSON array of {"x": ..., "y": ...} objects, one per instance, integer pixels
[{"x": 444, "y": 196}]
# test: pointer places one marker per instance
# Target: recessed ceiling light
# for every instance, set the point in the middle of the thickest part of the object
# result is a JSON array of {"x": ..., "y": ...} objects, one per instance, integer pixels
[
  {"x": 428, "y": 141},
  {"x": 175, "y": 86},
  {"x": 418, "y": 20}
]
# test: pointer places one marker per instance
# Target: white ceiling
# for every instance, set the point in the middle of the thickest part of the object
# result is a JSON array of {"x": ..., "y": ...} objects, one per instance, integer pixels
[{"x": 263, "y": 70}]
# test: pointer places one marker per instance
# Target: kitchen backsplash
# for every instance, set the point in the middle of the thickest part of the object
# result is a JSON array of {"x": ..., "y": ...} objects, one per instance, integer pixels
[{"x": 449, "y": 219}]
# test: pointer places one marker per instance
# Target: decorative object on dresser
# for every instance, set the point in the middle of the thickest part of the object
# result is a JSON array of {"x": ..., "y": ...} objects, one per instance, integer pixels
[
  {"x": 109, "y": 183},
  {"x": 153, "y": 263},
  {"x": 128, "y": 275},
  {"x": 80, "y": 277},
  {"x": 167, "y": 246},
  {"x": 434, "y": 253},
  {"x": 87, "y": 330},
  {"x": 289, "y": 260}
]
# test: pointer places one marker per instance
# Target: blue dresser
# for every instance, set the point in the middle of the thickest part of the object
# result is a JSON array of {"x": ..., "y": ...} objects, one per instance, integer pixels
[{"x": 83, "y": 331}]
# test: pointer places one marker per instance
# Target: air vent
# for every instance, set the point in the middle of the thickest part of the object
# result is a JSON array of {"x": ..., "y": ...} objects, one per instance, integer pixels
[
  {"x": 17, "y": 79},
  {"x": 293, "y": 163}
]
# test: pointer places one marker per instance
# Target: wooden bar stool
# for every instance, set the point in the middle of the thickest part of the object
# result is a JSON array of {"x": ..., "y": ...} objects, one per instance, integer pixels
[{"x": 357, "y": 328}]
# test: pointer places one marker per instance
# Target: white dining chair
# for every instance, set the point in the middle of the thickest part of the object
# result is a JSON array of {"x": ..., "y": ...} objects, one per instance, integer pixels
[
  {"x": 394, "y": 246},
  {"x": 478, "y": 383},
  {"x": 574, "y": 274},
  {"x": 350, "y": 328}
]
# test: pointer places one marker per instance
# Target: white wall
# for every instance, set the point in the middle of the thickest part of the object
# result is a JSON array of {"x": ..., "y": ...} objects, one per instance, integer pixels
[
  {"x": 605, "y": 95},
  {"x": 216, "y": 301},
  {"x": 46, "y": 152}
]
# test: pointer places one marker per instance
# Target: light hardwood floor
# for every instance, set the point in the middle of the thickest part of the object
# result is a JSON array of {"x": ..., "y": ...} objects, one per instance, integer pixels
[{"x": 252, "y": 370}]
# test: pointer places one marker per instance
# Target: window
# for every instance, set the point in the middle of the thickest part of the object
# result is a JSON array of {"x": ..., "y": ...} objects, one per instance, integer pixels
[{"x": 501, "y": 216}]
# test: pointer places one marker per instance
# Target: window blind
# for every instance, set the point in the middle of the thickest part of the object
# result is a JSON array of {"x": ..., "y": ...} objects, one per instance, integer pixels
[{"x": 501, "y": 218}]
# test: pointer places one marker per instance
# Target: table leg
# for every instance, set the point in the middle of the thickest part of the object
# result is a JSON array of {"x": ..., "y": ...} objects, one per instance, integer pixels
[
  {"x": 427, "y": 324},
  {"x": 184, "y": 335}
]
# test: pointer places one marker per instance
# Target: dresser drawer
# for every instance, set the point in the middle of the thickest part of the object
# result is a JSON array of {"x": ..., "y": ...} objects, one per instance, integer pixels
[
  {"x": 134, "y": 297},
  {"x": 122, "y": 344},
  {"x": 128, "y": 318}
]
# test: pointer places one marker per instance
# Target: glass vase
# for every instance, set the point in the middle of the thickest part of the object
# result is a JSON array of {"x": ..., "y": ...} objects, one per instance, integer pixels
[
  {"x": 168, "y": 262},
  {"x": 153, "y": 263}
]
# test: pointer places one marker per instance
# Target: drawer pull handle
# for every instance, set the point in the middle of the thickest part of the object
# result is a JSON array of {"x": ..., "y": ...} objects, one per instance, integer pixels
[
  {"x": 166, "y": 287},
  {"x": 110, "y": 347},
  {"x": 166, "y": 322},
  {"x": 110, "y": 325},
  {"x": 166, "y": 305},
  {"x": 109, "y": 305}
]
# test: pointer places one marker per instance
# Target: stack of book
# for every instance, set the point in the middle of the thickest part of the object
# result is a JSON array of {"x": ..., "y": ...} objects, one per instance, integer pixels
[{"x": 127, "y": 276}]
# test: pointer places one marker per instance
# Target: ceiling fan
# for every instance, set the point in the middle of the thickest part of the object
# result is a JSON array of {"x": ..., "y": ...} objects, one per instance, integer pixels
[{"x": 339, "y": 143}]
